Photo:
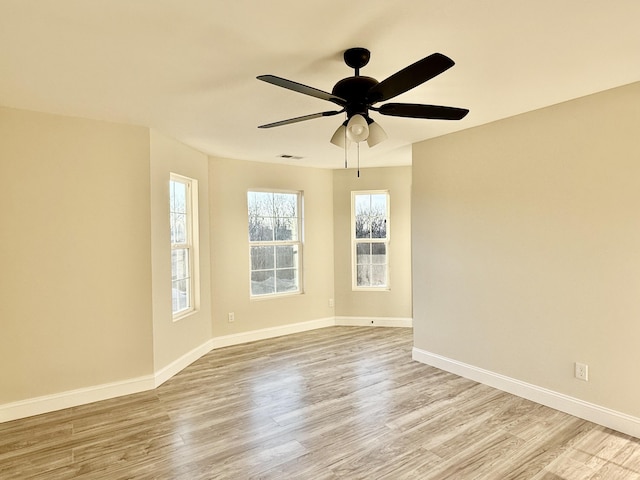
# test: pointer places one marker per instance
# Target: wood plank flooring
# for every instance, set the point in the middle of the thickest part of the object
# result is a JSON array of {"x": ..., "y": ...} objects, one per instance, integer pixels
[{"x": 334, "y": 403}]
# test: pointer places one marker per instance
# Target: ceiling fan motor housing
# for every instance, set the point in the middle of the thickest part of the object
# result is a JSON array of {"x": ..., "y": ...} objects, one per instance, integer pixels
[{"x": 354, "y": 90}]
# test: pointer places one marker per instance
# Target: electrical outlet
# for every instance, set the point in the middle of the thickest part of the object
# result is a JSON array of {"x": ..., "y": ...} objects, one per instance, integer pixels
[
  {"x": 582, "y": 371},
  {"x": 232, "y": 317},
  {"x": 331, "y": 303}
]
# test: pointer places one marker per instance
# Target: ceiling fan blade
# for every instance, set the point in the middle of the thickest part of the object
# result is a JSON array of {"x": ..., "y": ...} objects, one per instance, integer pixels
[
  {"x": 301, "y": 119},
  {"x": 414, "y": 110},
  {"x": 409, "y": 77},
  {"x": 300, "y": 88}
]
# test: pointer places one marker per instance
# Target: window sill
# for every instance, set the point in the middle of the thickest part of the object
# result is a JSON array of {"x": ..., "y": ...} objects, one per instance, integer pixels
[
  {"x": 370, "y": 289},
  {"x": 183, "y": 315},
  {"x": 272, "y": 296}
]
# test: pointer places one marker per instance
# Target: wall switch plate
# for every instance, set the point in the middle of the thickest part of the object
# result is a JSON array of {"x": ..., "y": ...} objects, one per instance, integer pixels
[{"x": 582, "y": 371}]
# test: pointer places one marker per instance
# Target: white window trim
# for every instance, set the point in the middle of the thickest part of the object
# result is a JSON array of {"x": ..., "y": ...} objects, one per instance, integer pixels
[
  {"x": 299, "y": 243},
  {"x": 354, "y": 241},
  {"x": 192, "y": 245}
]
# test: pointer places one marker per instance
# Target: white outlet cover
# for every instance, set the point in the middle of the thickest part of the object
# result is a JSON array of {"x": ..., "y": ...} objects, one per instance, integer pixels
[{"x": 582, "y": 371}]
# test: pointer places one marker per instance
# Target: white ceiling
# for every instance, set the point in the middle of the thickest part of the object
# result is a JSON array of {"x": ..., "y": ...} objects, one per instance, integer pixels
[{"x": 187, "y": 68}]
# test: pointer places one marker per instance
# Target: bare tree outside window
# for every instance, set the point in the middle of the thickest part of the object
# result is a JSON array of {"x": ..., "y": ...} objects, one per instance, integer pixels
[{"x": 274, "y": 239}]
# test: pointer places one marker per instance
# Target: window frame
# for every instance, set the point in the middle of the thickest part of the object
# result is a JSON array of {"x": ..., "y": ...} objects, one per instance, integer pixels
[
  {"x": 190, "y": 245},
  {"x": 370, "y": 240},
  {"x": 298, "y": 243}
]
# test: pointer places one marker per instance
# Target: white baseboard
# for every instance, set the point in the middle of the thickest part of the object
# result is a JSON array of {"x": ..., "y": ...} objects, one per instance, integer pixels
[
  {"x": 588, "y": 411},
  {"x": 73, "y": 398},
  {"x": 374, "y": 322},
  {"x": 187, "y": 359},
  {"x": 272, "y": 332},
  {"x": 82, "y": 396},
  {"x": 180, "y": 364}
]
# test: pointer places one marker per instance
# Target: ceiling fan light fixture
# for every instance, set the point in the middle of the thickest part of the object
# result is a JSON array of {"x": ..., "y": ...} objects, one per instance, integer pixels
[
  {"x": 339, "y": 138},
  {"x": 376, "y": 134},
  {"x": 357, "y": 128}
]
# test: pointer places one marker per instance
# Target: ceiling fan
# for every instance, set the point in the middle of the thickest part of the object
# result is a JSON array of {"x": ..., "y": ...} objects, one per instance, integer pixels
[{"x": 358, "y": 94}]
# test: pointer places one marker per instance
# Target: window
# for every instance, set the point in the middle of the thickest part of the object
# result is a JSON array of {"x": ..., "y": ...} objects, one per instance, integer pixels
[
  {"x": 182, "y": 198},
  {"x": 275, "y": 247},
  {"x": 370, "y": 238}
]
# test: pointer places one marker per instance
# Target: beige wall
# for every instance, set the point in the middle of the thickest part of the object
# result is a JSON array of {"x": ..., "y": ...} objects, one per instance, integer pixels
[
  {"x": 85, "y": 296},
  {"x": 172, "y": 339},
  {"x": 526, "y": 236},
  {"x": 229, "y": 181},
  {"x": 395, "y": 302},
  {"x": 75, "y": 287}
]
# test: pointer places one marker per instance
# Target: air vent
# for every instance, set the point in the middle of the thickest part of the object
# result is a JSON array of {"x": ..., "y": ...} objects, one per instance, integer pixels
[{"x": 290, "y": 157}]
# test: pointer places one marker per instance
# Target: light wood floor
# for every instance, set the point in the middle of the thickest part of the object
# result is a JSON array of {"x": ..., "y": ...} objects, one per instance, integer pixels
[{"x": 335, "y": 403}]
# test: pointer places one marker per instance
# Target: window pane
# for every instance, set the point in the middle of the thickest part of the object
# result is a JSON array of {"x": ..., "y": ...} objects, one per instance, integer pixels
[
  {"x": 363, "y": 253},
  {"x": 180, "y": 295},
  {"x": 262, "y": 282},
  {"x": 178, "y": 194},
  {"x": 179, "y": 263},
  {"x": 261, "y": 204},
  {"x": 378, "y": 226},
  {"x": 286, "y": 229},
  {"x": 287, "y": 280},
  {"x": 361, "y": 214},
  {"x": 175, "y": 297},
  {"x": 362, "y": 204},
  {"x": 260, "y": 229},
  {"x": 363, "y": 275},
  {"x": 178, "y": 228},
  {"x": 378, "y": 275},
  {"x": 262, "y": 258},
  {"x": 363, "y": 227},
  {"x": 379, "y": 204},
  {"x": 286, "y": 256},
  {"x": 379, "y": 253},
  {"x": 285, "y": 205}
]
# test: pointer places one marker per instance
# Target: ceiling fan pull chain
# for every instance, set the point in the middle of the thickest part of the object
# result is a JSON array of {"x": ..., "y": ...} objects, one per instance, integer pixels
[{"x": 345, "y": 148}]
